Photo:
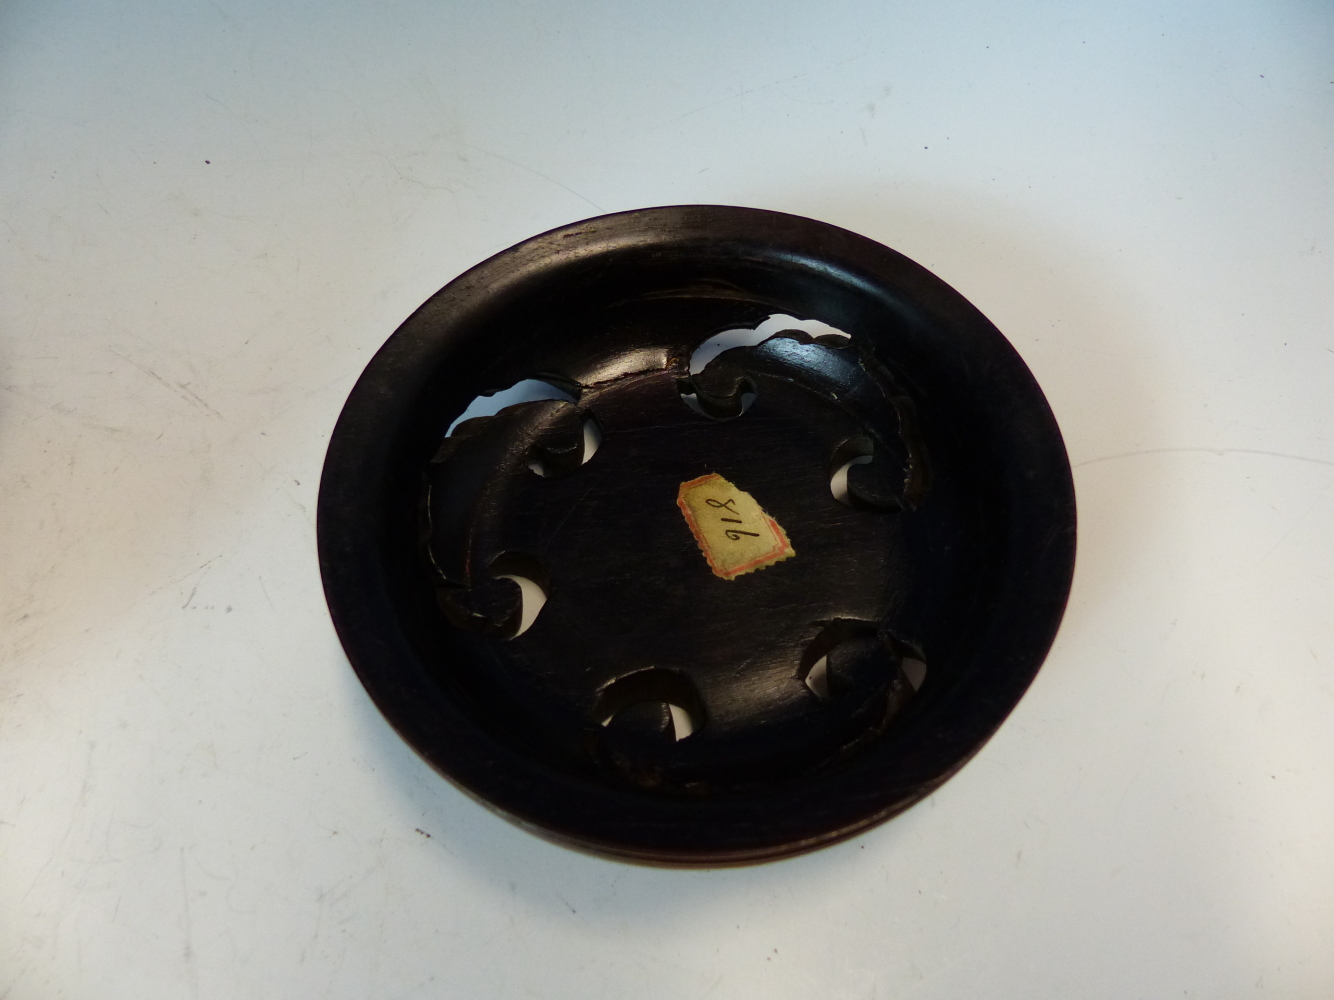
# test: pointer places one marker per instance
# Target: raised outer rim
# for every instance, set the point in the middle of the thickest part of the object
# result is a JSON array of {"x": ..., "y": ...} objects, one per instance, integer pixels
[{"x": 653, "y": 830}]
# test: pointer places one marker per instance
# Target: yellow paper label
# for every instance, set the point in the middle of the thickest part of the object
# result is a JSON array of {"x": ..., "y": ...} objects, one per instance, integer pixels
[{"x": 733, "y": 531}]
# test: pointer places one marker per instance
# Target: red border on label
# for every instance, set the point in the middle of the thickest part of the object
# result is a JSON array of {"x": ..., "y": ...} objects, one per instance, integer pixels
[{"x": 781, "y": 551}]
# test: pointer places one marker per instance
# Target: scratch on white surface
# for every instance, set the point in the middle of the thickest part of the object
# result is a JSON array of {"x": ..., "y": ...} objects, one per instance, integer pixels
[
  {"x": 407, "y": 179},
  {"x": 240, "y": 119},
  {"x": 266, "y": 594},
  {"x": 58, "y": 853},
  {"x": 343, "y": 379},
  {"x": 535, "y": 172},
  {"x": 189, "y": 953},
  {"x": 14, "y": 982},
  {"x": 185, "y": 388},
  {"x": 156, "y": 590},
  {"x": 185, "y": 576},
  {"x": 747, "y": 91},
  {"x": 64, "y": 410},
  {"x": 181, "y": 389},
  {"x": 1297, "y": 523},
  {"x": 1220, "y": 452}
]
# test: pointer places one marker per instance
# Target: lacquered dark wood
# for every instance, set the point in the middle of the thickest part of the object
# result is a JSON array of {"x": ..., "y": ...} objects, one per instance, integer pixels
[{"x": 954, "y": 545}]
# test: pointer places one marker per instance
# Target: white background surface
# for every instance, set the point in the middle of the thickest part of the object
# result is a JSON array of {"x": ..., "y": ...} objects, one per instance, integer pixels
[{"x": 212, "y": 214}]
